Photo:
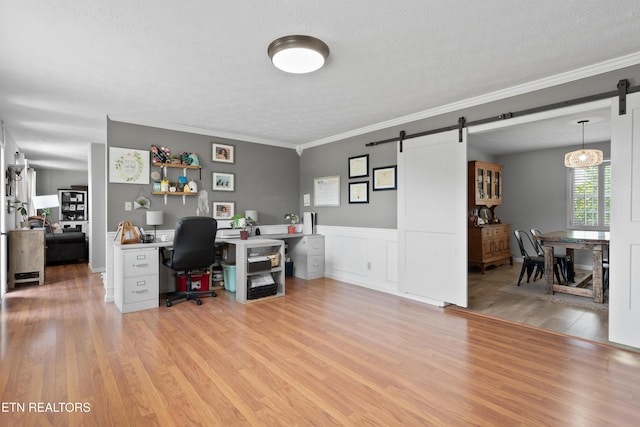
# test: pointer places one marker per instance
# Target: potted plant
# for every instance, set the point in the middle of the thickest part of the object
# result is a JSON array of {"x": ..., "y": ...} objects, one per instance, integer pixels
[
  {"x": 293, "y": 218},
  {"x": 239, "y": 221},
  {"x": 23, "y": 212}
]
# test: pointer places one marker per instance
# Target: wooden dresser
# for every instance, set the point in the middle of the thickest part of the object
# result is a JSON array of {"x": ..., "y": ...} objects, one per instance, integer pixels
[
  {"x": 489, "y": 245},
  {"x": 489, "y": 242}
]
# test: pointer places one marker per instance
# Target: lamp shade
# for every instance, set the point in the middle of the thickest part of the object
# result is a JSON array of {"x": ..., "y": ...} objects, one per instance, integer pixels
[
  {"x": 584, "y": 157},
  {"x": 155, "y": 217},
  {"x": 253, "y": 214},
  {"x": 43, "y": 202}
]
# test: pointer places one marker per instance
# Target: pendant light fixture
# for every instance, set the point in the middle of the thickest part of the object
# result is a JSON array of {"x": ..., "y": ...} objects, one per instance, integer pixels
[
  {"x": 584, "y": 157},
  {"x": 298, "y": 54}
]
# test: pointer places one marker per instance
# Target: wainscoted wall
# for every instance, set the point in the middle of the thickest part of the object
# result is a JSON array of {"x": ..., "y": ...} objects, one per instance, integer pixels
[{"x": 362, "y": 256}]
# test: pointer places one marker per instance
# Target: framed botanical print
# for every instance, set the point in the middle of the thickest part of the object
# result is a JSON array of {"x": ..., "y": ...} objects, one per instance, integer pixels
[
  {"x": 359, "y": 166},
  {"x": 128, "y": 166},
  {"x": 223, "y": 181},
  {"x": 224, "y": 153},
  {"x": 384, "y": 178}
]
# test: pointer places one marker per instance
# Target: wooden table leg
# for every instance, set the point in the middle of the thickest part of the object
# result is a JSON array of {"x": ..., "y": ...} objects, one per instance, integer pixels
[
  {"x": 548, "y": 269},
  {"x": 597, "y": 275}
]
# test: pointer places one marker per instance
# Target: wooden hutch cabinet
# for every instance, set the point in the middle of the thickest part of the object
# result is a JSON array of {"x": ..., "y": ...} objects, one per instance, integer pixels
[{"x": 489, "y": 242}]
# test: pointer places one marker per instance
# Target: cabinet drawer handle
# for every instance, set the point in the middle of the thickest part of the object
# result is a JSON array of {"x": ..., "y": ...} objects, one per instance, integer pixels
[
  {"x": 142, "y": 291},
  {"x": 141, "y": 257},
  {"x": 144, "y": 264},
  {"x": 141, "y": 283}
]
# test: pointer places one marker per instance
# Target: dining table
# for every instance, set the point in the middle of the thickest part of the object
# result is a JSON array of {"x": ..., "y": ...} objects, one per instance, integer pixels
[{"x": 595, "y": 241}]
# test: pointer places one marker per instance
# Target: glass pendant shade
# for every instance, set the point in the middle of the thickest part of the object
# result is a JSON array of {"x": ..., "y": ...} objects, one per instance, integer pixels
[{"x": 584, "y": 157}]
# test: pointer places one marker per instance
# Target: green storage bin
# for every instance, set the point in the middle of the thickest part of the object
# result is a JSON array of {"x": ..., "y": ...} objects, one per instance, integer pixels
[{"x": 229, "y": 271}]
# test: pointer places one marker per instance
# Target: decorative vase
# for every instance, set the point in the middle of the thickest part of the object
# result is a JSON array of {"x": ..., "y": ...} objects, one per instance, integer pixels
[
  {"x": 292, "y": 229},
  {"x": 244, "y": 234}
]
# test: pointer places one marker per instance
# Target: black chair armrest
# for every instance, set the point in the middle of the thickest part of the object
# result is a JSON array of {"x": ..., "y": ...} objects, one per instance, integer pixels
[{"x": 166, "y": 254}]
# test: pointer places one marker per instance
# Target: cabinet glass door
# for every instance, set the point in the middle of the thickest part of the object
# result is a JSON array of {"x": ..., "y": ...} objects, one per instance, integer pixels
[
  {"x": 496, "y": 185},
  {"x": 489, "y": 188},
  {"x": 480, "y": 181}
]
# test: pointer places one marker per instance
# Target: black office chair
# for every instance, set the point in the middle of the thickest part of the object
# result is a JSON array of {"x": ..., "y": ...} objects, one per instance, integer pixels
[
  {"x": 192, "y": 250},
  {"x": 562, "y": 261},
  {"x": 530, "y": 262}
]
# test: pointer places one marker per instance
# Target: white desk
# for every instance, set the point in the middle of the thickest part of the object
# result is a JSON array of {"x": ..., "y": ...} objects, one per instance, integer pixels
[{"x": 137, "y": 273}]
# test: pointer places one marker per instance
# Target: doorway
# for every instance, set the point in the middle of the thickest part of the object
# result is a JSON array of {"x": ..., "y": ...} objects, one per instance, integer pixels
[{"x": 531, "y": 150}]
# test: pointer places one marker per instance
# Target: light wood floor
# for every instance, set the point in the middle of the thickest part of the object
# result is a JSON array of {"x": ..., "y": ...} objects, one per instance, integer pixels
[
  {"x": 328, "y": 353},
  {"x": 485, "y": 297}
]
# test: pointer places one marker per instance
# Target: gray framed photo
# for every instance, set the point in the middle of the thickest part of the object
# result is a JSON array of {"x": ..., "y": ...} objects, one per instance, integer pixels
[
  {"x": 224, "y": 153},
  {"x": 359, "y": 192},
  {"x": 385, "y": 178},
  {"x": 359, "y": 166},
  {"x": 223, "y": 181}
]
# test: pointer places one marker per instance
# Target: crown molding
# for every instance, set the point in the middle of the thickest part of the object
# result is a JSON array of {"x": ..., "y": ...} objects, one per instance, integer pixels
[
  {"x": 544, "y": 83},
  {"x": 201, "y": 131}
]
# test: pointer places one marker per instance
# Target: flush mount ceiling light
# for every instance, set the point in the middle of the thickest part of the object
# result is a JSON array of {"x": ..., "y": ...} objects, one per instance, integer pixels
[
  {"x": 298, "y": 54},
  {"x": 584, "y": 157}
]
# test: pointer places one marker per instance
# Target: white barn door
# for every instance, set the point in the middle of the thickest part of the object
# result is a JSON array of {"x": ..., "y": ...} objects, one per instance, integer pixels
[
  {"x": 432, "y": 218},
  {"x": 624, "y": 290}
]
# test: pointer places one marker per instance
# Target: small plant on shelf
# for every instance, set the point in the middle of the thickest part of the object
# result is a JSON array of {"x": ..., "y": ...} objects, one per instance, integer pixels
[{"x": 293, "y": 219}]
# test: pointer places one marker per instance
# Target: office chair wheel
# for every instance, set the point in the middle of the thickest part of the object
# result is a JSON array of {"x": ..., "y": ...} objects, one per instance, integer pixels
[
  {"x": 198, "y": 302},
  {"x": 168, "y": 303}
]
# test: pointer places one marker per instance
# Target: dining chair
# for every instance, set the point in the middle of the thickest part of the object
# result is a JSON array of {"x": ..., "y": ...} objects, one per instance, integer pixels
[
  {"x": 562, "y": 261},
  {"x": 530, "y": 263}
]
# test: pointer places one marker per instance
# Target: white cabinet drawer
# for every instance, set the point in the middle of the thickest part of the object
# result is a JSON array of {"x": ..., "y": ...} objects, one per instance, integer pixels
[
  {"x": 140, "y": 288},
  {"x": 315, "y": 266},
  {"x": 140, "y": 262}
]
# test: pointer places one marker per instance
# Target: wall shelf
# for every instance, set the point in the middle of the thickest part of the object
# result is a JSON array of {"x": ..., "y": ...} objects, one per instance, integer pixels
[{"x": 164, "y": 167}]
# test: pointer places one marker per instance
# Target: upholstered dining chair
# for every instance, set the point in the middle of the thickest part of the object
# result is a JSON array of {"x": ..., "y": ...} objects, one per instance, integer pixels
[{"x": 192, "y": 250}]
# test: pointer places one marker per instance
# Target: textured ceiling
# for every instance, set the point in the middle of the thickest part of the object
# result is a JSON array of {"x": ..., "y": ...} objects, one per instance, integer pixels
[{"x": 67, "y": 64}]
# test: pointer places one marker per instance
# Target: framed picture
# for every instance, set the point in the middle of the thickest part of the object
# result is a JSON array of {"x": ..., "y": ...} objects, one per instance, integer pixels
[
  {"x": 384, "y": 178},
  {"x": 128, "y": 166},
  {"x": 326, "y": 191},
  {"x": 223, "y": 181},
  {"x": 359, "y": 166},
  {"x": 223, "y": 210},
  {"x": 224, "y": 153},
  {"x": 359, "y": 192}
]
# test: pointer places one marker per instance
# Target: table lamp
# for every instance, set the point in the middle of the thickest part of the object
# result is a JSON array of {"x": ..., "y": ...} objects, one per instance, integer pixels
[
  {"x": 155, "y": 218},
  {"x": 45, "y": 202}
]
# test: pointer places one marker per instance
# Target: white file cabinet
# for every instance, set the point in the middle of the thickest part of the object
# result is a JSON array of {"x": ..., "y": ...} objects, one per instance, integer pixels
[
  {"x": 307, "y": 254},
  {"x": 135, "y": 278}
]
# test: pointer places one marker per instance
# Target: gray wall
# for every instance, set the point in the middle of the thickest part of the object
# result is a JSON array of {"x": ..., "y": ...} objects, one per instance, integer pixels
[
  {"x": 97, "y": 204},
  {"x": 332, "y": 159},
  {"x": 266, "y": 177},
  {"x": 535, "y": 192}
]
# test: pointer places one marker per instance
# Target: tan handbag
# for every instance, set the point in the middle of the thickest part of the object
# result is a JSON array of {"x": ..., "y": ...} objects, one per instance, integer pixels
[{"x": 128, "y": 233}]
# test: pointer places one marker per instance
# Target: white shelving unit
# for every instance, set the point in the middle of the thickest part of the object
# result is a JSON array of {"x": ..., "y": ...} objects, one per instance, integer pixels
[
  {"x": 251, "y": 247},
  {"x": 185, "y": 168},
  {"x": 73, "y": 211}
]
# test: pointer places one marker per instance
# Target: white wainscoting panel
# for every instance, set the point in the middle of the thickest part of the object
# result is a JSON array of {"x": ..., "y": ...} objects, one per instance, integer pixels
[{"x": 362, "y": 256}]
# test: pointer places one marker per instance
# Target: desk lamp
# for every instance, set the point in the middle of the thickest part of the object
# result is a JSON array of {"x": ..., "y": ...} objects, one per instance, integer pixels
[
  {"x": 155, "y": 218},
  {"x": 45, "y": 202}
]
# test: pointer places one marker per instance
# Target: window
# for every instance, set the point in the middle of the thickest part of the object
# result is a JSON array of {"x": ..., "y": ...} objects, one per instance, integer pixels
[{"x": 590, "y": 197}]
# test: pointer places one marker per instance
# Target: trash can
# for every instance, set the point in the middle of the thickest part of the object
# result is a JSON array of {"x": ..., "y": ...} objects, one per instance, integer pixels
[
  {"x": 288, "y": 269},
  {"x": 229, "y": 271}
]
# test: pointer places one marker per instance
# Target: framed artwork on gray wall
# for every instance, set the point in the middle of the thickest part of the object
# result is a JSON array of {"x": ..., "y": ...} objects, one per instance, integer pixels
[
  {"x": 359, "y": 166},
  {"x": 224, "y": 153},
  {"x": 223, "y": 181},
  {"x": 384, "y": 178},
  {"x": 223, "y": 210},
  {"x": 359, "y": 192},
  {"x": 128, "y": 166}
]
